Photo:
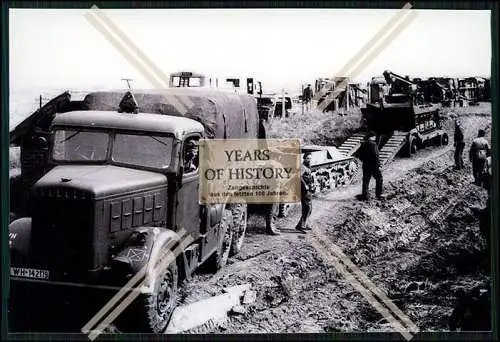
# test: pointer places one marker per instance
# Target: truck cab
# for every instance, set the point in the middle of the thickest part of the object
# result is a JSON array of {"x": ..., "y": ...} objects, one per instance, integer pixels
[{"x": 121, "y": 188}]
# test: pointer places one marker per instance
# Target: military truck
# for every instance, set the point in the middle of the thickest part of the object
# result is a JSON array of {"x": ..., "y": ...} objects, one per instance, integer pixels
[
  {"x": 106, "y": 192},
  {"x": 266, "y": 106},
  {"x": 278, "y": 111}
]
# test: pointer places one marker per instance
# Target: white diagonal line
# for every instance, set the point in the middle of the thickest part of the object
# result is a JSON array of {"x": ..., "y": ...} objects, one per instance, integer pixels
[
  {"x": 360, "y": 288},
  {"x": 371, "y": 56},
  {"x": 133, "y": 60},
  {"x": 156, "y": 80},
  {"x": 133, "y": 295},
  {"x": 382, "y": 44},
  {"x": 130, "y": 284},
  {"x": 365, "y": 280},
  {"x": 368, "y": 46},
  {"x": 128, "y": 42}
]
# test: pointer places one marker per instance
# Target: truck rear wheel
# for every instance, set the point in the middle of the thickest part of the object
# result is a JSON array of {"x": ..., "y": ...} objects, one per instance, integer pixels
[
  {"x": 221, "y": 255},
  {"x": 239, "y": 227},
  {"x": 283, "y": 209},
  {"x": 444, "y": 139},
  {"x": 150, "y": 313}
]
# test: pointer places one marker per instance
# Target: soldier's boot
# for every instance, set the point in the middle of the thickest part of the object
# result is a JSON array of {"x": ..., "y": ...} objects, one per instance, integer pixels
[
  {"x": 270, "y": 227},
  {"x": 362, "y": 197}
]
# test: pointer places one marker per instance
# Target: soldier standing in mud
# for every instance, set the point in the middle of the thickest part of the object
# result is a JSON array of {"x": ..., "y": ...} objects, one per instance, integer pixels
[
  {"x": 307, "y": 188},
  {"x": 307, "y": 97},
  {"x": 459, "y": 145},
  {"x": 479, "y": 151},
  {"x": 369, "y": 156},
  {"x": 271, "y": 209}
]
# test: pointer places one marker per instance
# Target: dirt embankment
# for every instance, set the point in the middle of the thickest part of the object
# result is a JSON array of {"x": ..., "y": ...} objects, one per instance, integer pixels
[
  {"x": 317, "y": 128},
  {"x": 422, "y": 246}
]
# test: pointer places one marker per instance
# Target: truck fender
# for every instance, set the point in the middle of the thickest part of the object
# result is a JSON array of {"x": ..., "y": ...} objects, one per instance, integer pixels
[
  {"x": 143, "y": 249},
  {"x": 19, "y": 239}
]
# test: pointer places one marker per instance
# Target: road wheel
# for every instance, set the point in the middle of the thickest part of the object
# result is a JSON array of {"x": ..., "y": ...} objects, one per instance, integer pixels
[
  {"x": 283, "y": 209},
  {"x": 150, "y": 313},
  {"x": 239, "y": 212},
  {"x": 333, "y": 181},
  {"x": 221, "y": 255},
  {"x": 444, "y": 139}
]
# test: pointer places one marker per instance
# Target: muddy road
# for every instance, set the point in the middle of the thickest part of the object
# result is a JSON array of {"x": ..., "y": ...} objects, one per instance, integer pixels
[{"x": 422, "y": 245}]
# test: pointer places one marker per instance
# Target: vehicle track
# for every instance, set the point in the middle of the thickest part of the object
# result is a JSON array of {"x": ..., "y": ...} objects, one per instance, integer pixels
[{"x": 296, "y": 291}]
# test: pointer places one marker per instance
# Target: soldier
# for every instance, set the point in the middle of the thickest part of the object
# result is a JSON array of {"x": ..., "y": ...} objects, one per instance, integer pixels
[
  {"x": 271, "y": 209},
  {"x": 191, "y": 156},
  {"x": 369, "y": 156},
  {"x": 307, "y": 97},
  {"x": 479, "y": 151},
  {"x": 487, "y": 174},
  {"x": 459, "y": 145},
  {"x": 307, "y": 188}
]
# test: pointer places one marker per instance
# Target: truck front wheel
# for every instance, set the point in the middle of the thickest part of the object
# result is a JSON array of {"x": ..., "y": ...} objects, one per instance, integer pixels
[
  {"x": 150, "y": 313},
  {"x": 444, "y": 139}
]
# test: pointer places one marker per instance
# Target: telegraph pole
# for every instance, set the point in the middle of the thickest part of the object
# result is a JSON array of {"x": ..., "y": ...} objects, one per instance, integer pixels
[
  {"x": 302, "y": 102},
  {"x": 283, "y": 103},
  {"x": 128, "y": 80}
]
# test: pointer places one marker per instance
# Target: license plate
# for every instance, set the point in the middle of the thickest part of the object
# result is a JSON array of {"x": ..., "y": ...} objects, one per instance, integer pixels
[{"x": 29, "y": 273}]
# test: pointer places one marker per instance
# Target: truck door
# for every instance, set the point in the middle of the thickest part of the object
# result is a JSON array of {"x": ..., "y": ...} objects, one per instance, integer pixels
[
  {"x": 188, "y": 208},
  {"x": 201, "y": 221}
]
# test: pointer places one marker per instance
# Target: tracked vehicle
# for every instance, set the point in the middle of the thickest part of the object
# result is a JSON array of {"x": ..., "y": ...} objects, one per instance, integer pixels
[
  {"x": 330, "y": 169},
  {"x": 105, "y": 193},
  {"x": 397, "y": 111}
]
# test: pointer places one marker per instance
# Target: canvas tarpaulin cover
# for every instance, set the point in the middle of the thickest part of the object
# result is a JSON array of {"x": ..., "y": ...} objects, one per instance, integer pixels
[{"x": 223, "y": 114}]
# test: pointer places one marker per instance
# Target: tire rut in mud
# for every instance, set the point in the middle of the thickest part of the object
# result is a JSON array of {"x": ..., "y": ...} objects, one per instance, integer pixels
[
  {"x": 412, "y": 246},
  {"x": 422, "y": 246}
]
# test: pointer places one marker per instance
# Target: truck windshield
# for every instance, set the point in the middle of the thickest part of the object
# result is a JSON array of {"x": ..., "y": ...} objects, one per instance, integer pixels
[
  {"x": 80, "y": 145},
  {"x": 142, "y": 150}
]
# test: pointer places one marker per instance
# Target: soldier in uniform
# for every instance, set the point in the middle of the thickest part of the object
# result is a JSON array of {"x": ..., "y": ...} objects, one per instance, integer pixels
[
  {"x": 307, "y": 188},
  {"x": 479, "y": 151},
  {"x": 270, "y": 209},
  {"x": 459, "y": 145},
  {"x": 191, "y": 156},
  {"x": 369, "y": 156},
  {"x": 307, "y": 95}
]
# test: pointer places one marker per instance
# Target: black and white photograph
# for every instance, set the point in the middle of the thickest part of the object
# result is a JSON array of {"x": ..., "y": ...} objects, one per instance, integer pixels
[{"x": 109, "y": 112}]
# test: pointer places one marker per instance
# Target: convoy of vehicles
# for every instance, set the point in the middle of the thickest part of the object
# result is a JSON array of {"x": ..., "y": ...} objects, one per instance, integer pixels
[
  {"x": 401, "y": 118},
  {"x": 271, "y": 106},
  {"x": 105, "y": 192},
  {"x": 103, "y": 189}
]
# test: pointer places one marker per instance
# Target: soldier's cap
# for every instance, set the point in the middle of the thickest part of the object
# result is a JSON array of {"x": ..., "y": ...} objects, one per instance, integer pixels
[{"x": 192, "y": 144}]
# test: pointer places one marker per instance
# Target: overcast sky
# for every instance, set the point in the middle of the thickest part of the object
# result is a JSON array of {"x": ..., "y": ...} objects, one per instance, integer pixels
[{"x": 281, "y": 47}]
